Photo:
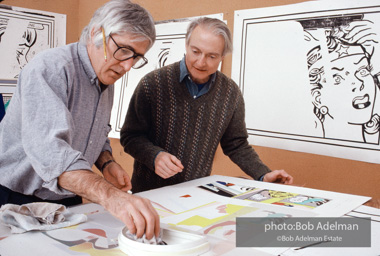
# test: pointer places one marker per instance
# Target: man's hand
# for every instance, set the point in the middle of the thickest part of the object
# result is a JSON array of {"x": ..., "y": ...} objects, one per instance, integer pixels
[
  {"x": 278, "y": 176},
  {"x": 166, "y": 165},
  {"x": 117, "y": 176},
  {"x": 135, "y": 212}
]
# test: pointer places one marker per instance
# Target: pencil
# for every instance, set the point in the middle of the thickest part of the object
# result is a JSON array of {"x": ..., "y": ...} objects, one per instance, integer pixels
[{"x": 104, "y": 45}]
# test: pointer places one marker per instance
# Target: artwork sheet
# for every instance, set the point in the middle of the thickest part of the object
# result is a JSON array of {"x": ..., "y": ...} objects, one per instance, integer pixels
[
  {"x": 184, "y": 206},
  {"x": 168, "y": 48},
  {"x": 309, "y": 76},
  {"x": 96, "y": 237},
  {"x": 23, "y": 34},
  {"x": 266, "y": 196},
  {"x": 194, "y": 206}
]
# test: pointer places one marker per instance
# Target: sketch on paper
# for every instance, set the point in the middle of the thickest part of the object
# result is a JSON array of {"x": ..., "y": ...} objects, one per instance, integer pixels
[
  {"x": 215, "y": 218},
  {"x": 261, "y": 195},
  {"x": 343, "y": 61},
  {"x": 168, "y": 48},
  {"x": 309, "y": 76},
  {"x": 23, "y": 34}
]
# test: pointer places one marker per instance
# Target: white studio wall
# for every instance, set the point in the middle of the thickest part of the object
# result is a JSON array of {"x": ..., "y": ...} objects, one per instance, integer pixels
[{"x": 309, "y": 76}]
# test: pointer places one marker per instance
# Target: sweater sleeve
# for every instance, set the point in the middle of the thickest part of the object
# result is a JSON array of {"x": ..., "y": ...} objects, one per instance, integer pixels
[
  {"x": 235, "y": 144},
  {"x": 134, "y": 135}
]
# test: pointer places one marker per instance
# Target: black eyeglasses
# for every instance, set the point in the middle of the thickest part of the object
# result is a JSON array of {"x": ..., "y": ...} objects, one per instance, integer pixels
[{"x": 126, "y": 53}]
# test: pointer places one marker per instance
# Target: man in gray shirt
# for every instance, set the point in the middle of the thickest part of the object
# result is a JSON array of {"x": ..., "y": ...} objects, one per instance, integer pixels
[{"x": 57, "y": 124}]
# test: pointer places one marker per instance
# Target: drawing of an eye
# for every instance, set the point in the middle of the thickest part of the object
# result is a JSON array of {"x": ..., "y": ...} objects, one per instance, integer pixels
[
  {"x": 337, "y": 79},
  {"x": 363, "y": 72}
]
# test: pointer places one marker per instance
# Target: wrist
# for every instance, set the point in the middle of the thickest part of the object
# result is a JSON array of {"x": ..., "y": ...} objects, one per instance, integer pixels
[{"x": 106, "y": 164}]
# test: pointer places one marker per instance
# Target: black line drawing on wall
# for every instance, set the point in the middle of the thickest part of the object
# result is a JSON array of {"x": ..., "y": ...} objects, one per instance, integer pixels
[
  {"x": 309, "y": 76},
  {"x": 23, "y": 34},
  {"x": 344, "y": 65},
  {"x": 31, "y": 41}
]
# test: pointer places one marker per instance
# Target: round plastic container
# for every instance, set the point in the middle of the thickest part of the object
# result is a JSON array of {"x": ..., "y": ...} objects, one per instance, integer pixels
[{"x": 177, "y": 243}]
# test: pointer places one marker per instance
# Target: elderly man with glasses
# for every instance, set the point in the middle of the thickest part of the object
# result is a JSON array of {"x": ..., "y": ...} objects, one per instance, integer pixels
[{"x": 57, "y": 124}]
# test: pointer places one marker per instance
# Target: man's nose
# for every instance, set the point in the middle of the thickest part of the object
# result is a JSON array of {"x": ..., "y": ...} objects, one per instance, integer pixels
[
  {"x": 127, "y": 64},
  {"x": 202, "y": 60}
]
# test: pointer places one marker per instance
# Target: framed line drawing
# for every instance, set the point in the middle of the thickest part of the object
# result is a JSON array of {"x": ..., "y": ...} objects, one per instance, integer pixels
[
  {"x": 309, "y": 76},
  {"x": 23, "y": 34}
]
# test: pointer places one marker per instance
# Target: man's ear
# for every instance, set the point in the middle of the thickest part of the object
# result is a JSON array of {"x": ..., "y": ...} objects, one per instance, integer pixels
[{"x": 94, "y": 32}]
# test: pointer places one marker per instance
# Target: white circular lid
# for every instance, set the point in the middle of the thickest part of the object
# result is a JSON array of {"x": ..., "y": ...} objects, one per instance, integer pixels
[{"x": 177, "y": 243}]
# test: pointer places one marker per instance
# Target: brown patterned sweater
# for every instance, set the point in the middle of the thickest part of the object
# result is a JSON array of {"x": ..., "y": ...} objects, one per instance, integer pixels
[{"x": 162, "y": 115}]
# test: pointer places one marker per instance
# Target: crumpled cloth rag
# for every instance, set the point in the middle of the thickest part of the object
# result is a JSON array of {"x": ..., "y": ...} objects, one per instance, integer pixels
[{"x": 38, "y": 216}]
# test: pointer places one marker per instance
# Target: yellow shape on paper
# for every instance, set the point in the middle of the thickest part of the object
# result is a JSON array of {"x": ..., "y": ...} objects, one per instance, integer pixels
[{"x": 233, "y": 211}]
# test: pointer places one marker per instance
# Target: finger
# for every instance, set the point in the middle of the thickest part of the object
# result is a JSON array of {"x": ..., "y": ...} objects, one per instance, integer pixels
[
  {"x": 289, "y": 180},
  {"x": 156, "y": 221},
  {"x": 177, "y": 162},
  {"x": 139, "y": 222},
  {"x": 151, "y": 218},
  {"x": 151, "y": 223},
  {"x": 128, "y": 183},
  {"x": 162, "y": 173},
  {"x": 120, "y": 179},
  {"x": 130, "y": 223},
  {"x": 169, "y": 169},
  {"x": 174, "y": 168},
  {"x": 127, "y": 186}
]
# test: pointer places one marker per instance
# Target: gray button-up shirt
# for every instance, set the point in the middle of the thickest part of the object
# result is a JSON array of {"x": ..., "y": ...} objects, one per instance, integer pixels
[{"x": 57, "y": 121}]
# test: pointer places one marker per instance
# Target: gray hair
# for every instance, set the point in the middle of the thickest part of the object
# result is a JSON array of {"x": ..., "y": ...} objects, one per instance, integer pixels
[
  {"x": 120, "y": 17},
  {"x": 217, "y": 27}
]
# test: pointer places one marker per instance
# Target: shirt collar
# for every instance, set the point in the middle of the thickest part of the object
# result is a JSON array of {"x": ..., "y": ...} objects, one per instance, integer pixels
[
  {"x": 184, "y": 72},
  {"x": 85, "y": 59}
]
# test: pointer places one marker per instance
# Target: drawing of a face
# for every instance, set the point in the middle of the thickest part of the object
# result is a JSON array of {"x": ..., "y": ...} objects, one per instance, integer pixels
[
  {"x": 203, "y": 54},
  {"x": 350, "y": 96},
  {"x": 343, "y": 85}
]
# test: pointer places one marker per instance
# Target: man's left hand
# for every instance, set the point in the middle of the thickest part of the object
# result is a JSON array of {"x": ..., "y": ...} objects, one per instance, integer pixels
[
  {"x": 278, "y": 176},
  {"x": 117, "y": 176}
]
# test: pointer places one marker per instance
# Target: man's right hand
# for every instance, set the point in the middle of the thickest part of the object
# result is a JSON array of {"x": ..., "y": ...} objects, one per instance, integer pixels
[
  {"x": 167, "y": 165},
  {"x": 137, "y": 213}
]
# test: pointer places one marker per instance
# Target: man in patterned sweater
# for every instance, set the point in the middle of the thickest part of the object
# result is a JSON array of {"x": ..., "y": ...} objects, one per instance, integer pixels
[{"x": 180, "y": 113}]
